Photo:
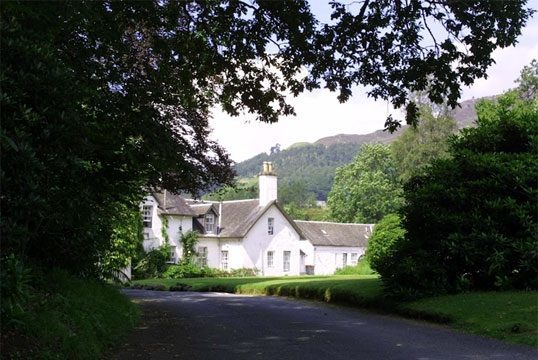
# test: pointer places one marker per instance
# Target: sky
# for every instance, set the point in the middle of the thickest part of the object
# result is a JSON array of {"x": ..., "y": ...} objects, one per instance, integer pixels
[{"x": 319, "y": 114}]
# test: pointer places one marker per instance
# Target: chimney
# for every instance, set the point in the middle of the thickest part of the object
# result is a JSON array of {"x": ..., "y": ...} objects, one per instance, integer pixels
[{"x": 268, "y": 184}]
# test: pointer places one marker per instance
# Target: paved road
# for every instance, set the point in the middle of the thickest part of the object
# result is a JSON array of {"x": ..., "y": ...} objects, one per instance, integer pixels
[{"x": 185, "y": 325}]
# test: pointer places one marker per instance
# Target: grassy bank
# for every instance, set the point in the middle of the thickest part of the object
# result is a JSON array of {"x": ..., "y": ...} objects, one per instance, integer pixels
[
  {"x": 67, "y": 318},
  {"x": 509, "y": 316}
]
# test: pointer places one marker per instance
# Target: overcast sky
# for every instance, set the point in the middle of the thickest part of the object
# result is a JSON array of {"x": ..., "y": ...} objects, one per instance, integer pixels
[{"x": 319, "y": 114}]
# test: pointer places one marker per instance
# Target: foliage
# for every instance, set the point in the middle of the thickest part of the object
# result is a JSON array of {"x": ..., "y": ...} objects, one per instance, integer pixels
[
  {"x": 367, "y": 189},
  {"x": 69, "y": 318},
  {"x": 296, "y": 193},
  {"x": 100, "y": 99},
  {"x": 471, "y": 220},
  {"x": 387, "y": 236},
  {"x": 362, "y": 268},
  {"x": 243, "y": 189},
  {"x": 153, "y": 263},
  {"x": 190, "y": 270},
  {"x": 528, "y": 81},
  {"x": 15, "y": 289},
  {"x": 418, "y": 146},
  {"x": 126, "y": 239},
  {"x": 184, "y": 270},
  {"x": 111, "y": 122},
  {"x": 164, "y": 231},
  {"x": 188, "y": 242},
  {"x": 312, "y": 165}
]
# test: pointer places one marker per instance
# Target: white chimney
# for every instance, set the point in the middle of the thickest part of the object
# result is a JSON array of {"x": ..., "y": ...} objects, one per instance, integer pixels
[{"x": 268, "y": 184}]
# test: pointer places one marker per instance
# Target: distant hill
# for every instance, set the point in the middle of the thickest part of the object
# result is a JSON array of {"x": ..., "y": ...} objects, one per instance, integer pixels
[{"x": 314, "y": 163}]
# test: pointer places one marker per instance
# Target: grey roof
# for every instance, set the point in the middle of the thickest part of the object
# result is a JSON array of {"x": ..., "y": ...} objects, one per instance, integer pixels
[
  {"x": 238, "y": 216},
  {"x": 201, "y": 209},
  {"x": 322, "y": 233},
  {"x": 172, "y": 204}
]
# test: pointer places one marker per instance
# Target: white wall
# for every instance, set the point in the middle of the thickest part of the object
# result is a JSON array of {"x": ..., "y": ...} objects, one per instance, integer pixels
[
  {"x": 175, "y": 223},
  {"x": 328, "y": 259},
  {"x": 236, "y": 253},
  {"x": 258, "y": 242},
  {"x": 213, "y": 250},
  {"x": 153, "y": 237}
]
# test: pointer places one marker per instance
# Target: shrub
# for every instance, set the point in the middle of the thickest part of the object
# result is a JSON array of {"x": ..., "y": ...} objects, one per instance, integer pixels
[
  {"x": 471, "y": 220},
  {"x": 153, "y": 264},
  {"x": 183, "y": 270},
  {"x": 190, "y": 270},
  {"x": 387, "y": 236},
  {"x": 69, "y": 318},
  {"x": 362, "y": 268},
  {"x": 15, "y": 288}
]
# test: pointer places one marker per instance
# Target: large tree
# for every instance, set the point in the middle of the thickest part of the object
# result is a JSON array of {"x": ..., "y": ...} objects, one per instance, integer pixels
[
  {"x": 101, "y": 98},
  {"x": 367, "y": 189},
  {"x": 419, "y": 145},
  {"x": 471, "y": 220}
]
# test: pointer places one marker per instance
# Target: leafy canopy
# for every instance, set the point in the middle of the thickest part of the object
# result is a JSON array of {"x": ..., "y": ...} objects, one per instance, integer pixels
[
  {"x": 418, "y": 146},
  {"x": 367, "y": 189},
  {"x": 102, "y": 99},
  {"x": 471, "y": 219}
]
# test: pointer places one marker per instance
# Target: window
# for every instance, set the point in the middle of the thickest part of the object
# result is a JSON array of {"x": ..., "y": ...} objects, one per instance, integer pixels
[
  {"x": 354, "y": 258},
  {"x": 209, "y": 223},
  {"x": 270, "y": 226},
  {"x": 224, "y": 259},
  {"x": 173, "y": 258},
  {"x": 344, "y": 260},
  {"x": 287, "y": 257},
  {"x": 270, "y": 258},
  {"x": 147, "y": 215},
  {"x": 202, "y": 256}
]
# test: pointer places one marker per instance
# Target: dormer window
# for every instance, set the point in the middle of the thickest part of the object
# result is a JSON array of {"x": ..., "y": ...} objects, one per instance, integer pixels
[
  {"x": 209, "y": 225},
  {"x": 147, "y": 215}
]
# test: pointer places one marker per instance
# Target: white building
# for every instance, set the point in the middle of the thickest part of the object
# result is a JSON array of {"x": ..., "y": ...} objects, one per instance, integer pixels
[
  {"x": 255, "y": 234},
  {"x": 335, "y": 245}
]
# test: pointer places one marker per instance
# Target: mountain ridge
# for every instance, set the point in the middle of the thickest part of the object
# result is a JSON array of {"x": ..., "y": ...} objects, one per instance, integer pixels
[{"x": 314, "y": 164}]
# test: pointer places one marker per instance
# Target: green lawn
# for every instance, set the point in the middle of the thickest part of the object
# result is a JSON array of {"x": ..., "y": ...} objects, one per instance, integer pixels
[{"x": 509, "y": 316}]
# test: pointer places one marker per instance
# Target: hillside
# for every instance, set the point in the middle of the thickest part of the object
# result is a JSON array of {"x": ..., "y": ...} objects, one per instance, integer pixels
[{"x": 314, "y": 163}]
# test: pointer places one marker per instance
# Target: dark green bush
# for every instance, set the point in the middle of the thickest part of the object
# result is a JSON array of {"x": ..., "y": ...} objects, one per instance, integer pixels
[
  {"x": 153, "y": 264},
  {"x": 382, "y": 245},
  {"x": 471, "y": 221},
  {"x": 184, "y": 270},
  {"x": 68, "y": 318},
  {"x": 15, "y": 290}
]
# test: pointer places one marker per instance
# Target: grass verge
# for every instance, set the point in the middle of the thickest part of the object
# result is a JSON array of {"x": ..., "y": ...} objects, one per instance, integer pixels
[
  {"x": 68, "y": 318},
  {"x": 509, "y": 316}
]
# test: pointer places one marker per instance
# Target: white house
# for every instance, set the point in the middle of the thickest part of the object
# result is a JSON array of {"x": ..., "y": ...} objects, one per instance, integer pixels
[
  {"x": 253, "y": 233},
  {"x": 336, "y": 245},
  {"x": 159, "y": 209}
]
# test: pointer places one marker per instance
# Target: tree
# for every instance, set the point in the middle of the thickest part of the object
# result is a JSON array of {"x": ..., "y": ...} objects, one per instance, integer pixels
[
  {"x": 240, "y": 190},
  {"x": 126, "y": 240},
  {"x": 367, "y": 189},
  {"x": 296, "y": 193},
  {"x": 471, "y": 220},
  {"x": 102, "y": 99},
  {"x": 418, "y": 146}
]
